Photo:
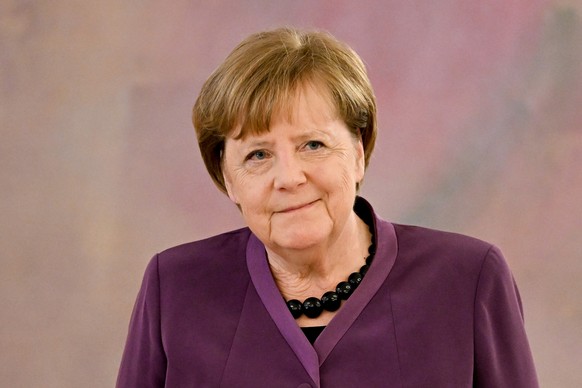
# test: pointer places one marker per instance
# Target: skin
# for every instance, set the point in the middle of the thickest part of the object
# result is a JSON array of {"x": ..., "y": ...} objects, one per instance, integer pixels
[{"x": 295, "y": 186}]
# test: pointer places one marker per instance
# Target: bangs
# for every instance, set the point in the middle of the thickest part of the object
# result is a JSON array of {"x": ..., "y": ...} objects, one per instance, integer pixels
[{"x": 274, "y": 98}]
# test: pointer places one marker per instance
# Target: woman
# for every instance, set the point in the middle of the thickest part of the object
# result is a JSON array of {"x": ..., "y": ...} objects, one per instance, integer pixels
[{"x": 318, "y": 290}]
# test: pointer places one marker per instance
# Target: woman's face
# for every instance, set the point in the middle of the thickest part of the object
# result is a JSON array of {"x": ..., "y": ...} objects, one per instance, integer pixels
[{"x": 296, "y": 183}]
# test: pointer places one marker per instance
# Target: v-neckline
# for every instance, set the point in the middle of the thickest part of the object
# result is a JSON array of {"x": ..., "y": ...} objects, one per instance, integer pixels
[{"x": 313, "y": 356}]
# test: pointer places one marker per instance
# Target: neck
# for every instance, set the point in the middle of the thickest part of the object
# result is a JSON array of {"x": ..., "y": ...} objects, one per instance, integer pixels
[{"x": 311, "y": 272}]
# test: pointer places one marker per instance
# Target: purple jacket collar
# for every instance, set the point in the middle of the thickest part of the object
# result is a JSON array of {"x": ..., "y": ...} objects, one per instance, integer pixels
[{"x": 312, "y": 357}]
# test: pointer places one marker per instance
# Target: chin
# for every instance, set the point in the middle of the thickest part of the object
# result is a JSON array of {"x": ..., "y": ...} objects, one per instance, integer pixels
[{"x": 301, "y": 240}]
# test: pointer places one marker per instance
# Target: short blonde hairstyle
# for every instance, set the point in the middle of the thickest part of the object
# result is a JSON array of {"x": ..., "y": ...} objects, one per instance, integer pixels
[{"x": 260, "y": 78}]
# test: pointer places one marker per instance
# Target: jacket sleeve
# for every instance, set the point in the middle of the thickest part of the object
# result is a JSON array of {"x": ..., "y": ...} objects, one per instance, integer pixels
[
  {"x": 502, "y": 353},
  {"x": 144, "y": 362}
]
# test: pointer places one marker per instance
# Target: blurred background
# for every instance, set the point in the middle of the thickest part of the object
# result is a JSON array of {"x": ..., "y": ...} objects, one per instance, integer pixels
[{"x": 480, "y": 133}]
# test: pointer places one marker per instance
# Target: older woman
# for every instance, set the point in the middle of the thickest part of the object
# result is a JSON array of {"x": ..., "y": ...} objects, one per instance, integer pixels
[{"x": 318, "y": 290}]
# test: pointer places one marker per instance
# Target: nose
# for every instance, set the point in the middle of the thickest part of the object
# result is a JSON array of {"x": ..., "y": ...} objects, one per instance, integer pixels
[{"x": 289, "y": 173}]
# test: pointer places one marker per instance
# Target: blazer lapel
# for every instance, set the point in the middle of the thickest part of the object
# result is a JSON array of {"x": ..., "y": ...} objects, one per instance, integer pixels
[
  {"x": 312, "y": 357},
  {"x": 275, "y": 305},
  {"x": 386, "y": 250}
]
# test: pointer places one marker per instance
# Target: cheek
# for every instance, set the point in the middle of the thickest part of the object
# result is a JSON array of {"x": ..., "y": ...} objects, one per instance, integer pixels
[
  {"x": 333, "y": 178},
  {"x": 249, "y": 192},
  {"x": 230, "y": 187},
  {"x": 347, "y": 168}
]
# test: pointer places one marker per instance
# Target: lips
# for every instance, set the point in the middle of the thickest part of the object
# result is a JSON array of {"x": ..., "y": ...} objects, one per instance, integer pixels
[{"x": 296, "y": 207}]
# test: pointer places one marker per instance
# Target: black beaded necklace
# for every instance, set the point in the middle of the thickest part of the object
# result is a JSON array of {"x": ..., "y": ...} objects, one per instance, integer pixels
[{"x": 331, "y": 301}]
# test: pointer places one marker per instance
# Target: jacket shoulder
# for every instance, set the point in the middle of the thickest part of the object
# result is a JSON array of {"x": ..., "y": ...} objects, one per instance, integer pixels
[
  {"x": 220, "y": 254},
  {"x": 441, "y": 244},
  {"x": 218, "y": 244}
]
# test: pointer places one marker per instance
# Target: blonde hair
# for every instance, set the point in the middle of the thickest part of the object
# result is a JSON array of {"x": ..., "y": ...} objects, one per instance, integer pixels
[{"x": 260, "y": 77}]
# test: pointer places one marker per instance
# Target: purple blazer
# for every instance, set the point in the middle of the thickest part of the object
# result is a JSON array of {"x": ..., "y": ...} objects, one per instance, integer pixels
[{"x": 435, "y": 309}]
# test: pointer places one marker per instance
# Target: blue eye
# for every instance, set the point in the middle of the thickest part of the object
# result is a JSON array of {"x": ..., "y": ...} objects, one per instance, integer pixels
[
  {"x": 314, "y": 144},
  {"x": 257, "y": 155}
]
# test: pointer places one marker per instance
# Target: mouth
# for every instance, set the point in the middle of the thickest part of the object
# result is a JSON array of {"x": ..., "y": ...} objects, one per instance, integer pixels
[{"x": 297, "y": 207}]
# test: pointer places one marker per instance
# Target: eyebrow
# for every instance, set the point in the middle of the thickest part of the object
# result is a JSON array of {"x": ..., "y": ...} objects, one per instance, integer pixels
[
  {"x": 313, "y": 133},
  {"x": 256, "y": 144},
  {"x": 248, "y": 144}
]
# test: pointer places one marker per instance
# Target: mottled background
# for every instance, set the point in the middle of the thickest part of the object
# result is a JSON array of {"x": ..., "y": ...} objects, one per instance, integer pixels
[{"x": 480, "y": 132}]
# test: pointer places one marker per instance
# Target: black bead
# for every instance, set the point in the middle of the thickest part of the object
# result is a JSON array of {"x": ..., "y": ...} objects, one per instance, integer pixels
[
  {"x": 312, "y": 307},
  {"x": 355, "y": 279},
  {"x": 364, "y": 269},
  {"x": 344, "y": 290},
  {"x": 331, "y": 301},
  {"x": 295, "y": 307}
]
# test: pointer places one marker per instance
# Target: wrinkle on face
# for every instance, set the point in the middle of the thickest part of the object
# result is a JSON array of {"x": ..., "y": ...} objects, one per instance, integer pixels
[{"x": 328, "y": 173}]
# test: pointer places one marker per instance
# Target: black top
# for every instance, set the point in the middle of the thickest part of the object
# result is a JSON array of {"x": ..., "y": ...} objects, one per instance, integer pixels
[{"x": 312, "y": 332}]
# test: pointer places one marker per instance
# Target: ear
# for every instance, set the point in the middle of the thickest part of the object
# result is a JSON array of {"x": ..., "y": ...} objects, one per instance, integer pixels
[{"x": 360, "y": 160}]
